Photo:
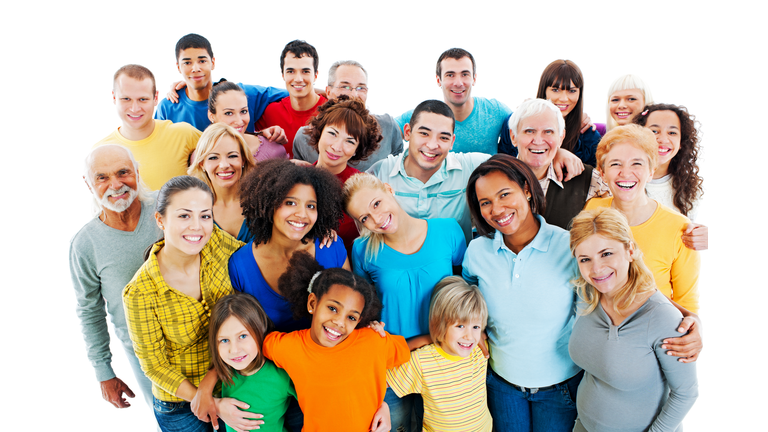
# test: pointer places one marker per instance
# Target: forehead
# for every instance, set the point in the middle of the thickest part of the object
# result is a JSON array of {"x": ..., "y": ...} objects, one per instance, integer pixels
[
  {"x": 463, "y": 64},
  {"x": 303, "y": 62},
  {"x": 349, "y": 298},
  {"x": 663, "y": 117},
  {"x": 191, "y": 199},
  {"x": 232, "y": 99},
  {"x": 231, "y": 325},
  {"x": 131, "y": 86},
  {"x": 629, "y": 92},
  {"x": 225, "y": 144},
  {"x": 435, "y": 122},
  {"x": 302, "y": 191},
  {"x": 109, "y": 159},
  {"x": 542, "y": 120},
  {"x": 627, "y": 150},
  {"x": 350, "y": 74},
  {"x": 489, "y": 184},
  {"x": 596, "y": 243},
  {"x": 193, "y": 53}
]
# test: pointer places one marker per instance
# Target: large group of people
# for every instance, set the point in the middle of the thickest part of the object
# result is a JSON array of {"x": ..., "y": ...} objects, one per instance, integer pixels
[{"x": 285, "y": 262}]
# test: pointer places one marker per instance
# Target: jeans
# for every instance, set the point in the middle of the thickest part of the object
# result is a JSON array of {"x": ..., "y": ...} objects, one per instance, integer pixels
[
  {"x": 402, "y": 411},
  {"x": 178, "y": 417},
  {"x": 552, "y": 410}
]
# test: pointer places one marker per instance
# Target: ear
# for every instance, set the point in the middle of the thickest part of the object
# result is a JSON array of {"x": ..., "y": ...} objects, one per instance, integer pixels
[
  {"x": 439, "y": 83},
  {"x": 389, "y": 189},
  {"x": 407, "y": 132},
  {"x": 114, "y": 98},
  {"x": 474, "y": 78},
  {"x": 315, "y": 77},
  {"x": 159, "y": 221},
  {"x": 213, "y": 63},
  {"x": 513, "y": 137},
  {"x": 631, "y": 252},
  {"x": 91, "y": 190},
  {"x": 328, "y": 91},
  {"x": 312, "y": 303},
  {"x": 178, "y": 68},
  {"x": 210, "y": 117},
  {"x": 157, "y": 94}
]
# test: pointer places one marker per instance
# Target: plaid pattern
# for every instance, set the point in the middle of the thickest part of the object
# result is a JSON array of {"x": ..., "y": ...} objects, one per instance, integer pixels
[
  {"x": 597, "y": 187},
  {"x": 169, "y": 329}
]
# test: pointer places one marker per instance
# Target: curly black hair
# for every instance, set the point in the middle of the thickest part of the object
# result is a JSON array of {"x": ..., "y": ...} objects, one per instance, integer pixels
[
  {"x": 263, "y": 190},
  {"x": 302, "y": 267},
  {"x": 683, "y": 167},
  {"x": 354, "y": 117}
]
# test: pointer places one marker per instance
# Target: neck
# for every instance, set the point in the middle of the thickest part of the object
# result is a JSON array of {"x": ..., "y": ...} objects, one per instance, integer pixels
[
  {"x": 304, "y": 103},
  {"x": 408, "y": 228},
  {"x": 661, "y": 171},
  {"x": 172, "y": 258},
  {"x": 540, "y": 172},
  {"x": 524, "y": 235},
  {"x": 199, "y": 95},
  {"x": 335, "y": 170},
  {"x": 126, "y": 220},
  {"x": 132, "y": 134},
  {"x": 227, "y": 195},
  {"x": 461, "y": 112},
  {"x": 279, "y": 245},
  {"x": 637, "y": 211},
  {"x": 415, "y": 171}
]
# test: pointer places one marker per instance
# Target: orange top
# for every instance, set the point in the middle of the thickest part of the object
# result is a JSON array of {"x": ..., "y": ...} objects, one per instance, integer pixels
[{"x": 340, "y": 388}]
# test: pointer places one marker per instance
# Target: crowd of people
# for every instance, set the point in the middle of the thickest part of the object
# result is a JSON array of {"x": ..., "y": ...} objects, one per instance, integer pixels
[{"x": 279, "y": 259}]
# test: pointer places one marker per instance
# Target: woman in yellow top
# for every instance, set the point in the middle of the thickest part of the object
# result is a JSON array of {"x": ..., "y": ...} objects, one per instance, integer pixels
[
  {"x": 168, "y": 302},
  {"x": 627, "y": 157}
]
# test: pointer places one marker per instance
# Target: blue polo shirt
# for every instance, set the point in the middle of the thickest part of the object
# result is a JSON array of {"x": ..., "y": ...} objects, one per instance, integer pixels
[{"x": 531, "y": 304}]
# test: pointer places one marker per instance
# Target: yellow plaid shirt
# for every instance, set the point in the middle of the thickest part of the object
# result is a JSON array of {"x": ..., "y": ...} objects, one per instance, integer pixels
[{"x": 169, "y": 329}]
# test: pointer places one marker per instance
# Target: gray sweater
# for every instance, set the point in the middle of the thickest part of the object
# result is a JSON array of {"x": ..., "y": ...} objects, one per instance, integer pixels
[
  {"x": 102, "y": 260},
  {"x": 391, "y": 144},
  {"x": 630, "y": 383}
]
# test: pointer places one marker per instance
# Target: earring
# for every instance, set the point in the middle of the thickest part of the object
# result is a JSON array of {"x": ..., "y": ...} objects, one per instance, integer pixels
[
  {"x": 529, "y": 198},
  {"x": 310, "y": 311}
]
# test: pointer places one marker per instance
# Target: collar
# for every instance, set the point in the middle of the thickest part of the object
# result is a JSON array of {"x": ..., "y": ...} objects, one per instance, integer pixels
[
  {"x": 447, "y": 356},
  {"x": 552, "y": 177},
  {"x": 206, "y": 259},
  {"x": 450, "y": 163},
  {"x": 540, "y": 242}
]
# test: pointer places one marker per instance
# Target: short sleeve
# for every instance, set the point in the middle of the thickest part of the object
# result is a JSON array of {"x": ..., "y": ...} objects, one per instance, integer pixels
[
  {"x": 397, "y": 350},
  {"x": 358, "y": 259},
  {"x": 404, "y": 119},
  {"x": 407, "y": 377},
  {"x": 271, "y": 347}
]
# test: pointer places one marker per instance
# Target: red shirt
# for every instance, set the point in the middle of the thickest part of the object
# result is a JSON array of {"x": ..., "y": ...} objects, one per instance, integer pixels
[
  {"x": 347, "y": 228},
  {"x": 282, "y": 114}
]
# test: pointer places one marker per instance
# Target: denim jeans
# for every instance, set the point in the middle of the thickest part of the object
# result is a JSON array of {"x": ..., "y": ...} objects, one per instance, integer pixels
[
  {"x": 178, "y": 417},
  {"x": 552, "y": 410},
  {"x": 403, "y": 410}
]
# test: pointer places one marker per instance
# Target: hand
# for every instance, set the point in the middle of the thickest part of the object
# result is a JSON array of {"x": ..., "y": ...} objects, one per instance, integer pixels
[
  {"x": 696, "y": 237},
  {"x": 569, "y": 161},
  {"x": 378, "y": 327},
  {"x": 484, "y": 346},
  {"x": 275, "y": 134},
  {"x": 299, "y": 162},
  {"x": 586, "y": 123},
  {"x": 381, "y": 421},
  {"x": 112, "y": 391},
  {"x": 203, "y": 406},
  {"x": 689, "y": 346},
  {"x": 172, "y": 95},
  {"x": 231, "y": 411},
  {"x": 328, "y": 241}
]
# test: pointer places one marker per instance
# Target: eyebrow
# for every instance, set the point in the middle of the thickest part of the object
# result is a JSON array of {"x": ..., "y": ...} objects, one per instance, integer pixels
[
  {"x": 297, "y": 199},
  {"x": 658, "y": 126},
  {"x": 199, "y": 57},
  {"x": 464, "y": 71},
  {"x": 334, "y": 301}
]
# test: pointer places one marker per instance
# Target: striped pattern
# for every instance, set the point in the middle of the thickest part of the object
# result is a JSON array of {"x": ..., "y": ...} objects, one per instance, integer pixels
[{"x": 453, "y": 388}]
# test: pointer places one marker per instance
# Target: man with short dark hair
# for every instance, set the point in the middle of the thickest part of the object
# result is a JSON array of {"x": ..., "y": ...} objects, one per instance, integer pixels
[{"x": 348, "y": 77}]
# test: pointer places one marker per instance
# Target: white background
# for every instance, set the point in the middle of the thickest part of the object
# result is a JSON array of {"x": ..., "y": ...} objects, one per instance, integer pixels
[{"x": 60, "y": 58}]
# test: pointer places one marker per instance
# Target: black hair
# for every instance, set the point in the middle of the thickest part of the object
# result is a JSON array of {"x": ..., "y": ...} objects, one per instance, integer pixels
[
  {"x": 218, "y": 88},
  {"x": 302, "y": 267},
  {"x": 456, "y": 54},
  {"x": 433, "y": 106},
  {"x": 560, "y": 74},
  {"x": 193, "y": 40},
  {"x": 176, "y": 185},
  {"x": 299, "y": 48}
]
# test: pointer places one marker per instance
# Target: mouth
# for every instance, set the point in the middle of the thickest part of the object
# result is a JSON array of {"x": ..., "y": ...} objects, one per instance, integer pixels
[
  {"x": 298, "y": 225},
  {"x": 626, "y": 185},
  {"x": 118, "y": 197},
  {"x": 563, "y": 107},
  {"x": 225, "y": 175},
  {"x": 601, "y": 279},
  {"x": 238, "y": 359},
  {"x": 332, "y": 334},
  {"x": 192, "y": 239},
  {"x": 623, "y": 115},
  {"x": 465, "y": 346},
  {"x": 240, "y": 128},
  {"x": 299, "y": 87},
  {"x": 386, "y": 223},
  {"x": 135, "y": 116},
  {"x": 431, "y": 157},
  {"x": 332, "y": 156},
  {"x": 663, "y": 151},
  {"x": 506, "y": 220},
  {"x": 537, "y": 151},
  {"x": 458, "y": 92}
]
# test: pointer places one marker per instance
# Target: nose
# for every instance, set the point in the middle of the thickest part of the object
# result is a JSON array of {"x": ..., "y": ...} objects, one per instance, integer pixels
[
  {"x": 195, "y": 223},
  {"x": 622, "y": 103},
  {"x": 115, "y": 183},
  {"x": 135, "y": 105},
  {"x": 496, "y": 209}
]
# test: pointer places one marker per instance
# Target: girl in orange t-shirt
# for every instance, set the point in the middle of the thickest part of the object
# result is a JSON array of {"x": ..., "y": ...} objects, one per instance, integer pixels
[{"x": 338, "y": 367}]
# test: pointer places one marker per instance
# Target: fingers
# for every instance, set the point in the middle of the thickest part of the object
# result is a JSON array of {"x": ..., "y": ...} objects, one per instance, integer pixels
[
  {"x": 558, "y": 171},
  {"x": 484, "y": 349}
]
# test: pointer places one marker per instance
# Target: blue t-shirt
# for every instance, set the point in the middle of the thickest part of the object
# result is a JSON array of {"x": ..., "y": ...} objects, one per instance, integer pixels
[
  {"x": 405, "y": 282},
  {"x": 244, "y": 235},
  {"x": 246, "y": 277},
  {"x": 196, "y": 113},
  {"x": 480, "y": 131}
]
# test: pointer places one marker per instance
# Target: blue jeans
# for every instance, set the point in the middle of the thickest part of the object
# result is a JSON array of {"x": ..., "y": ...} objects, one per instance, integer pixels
[
  {"x": 178, "y": 417},
  {"x": 552, "y": 410},
  {"x": 402, "y": 409}
]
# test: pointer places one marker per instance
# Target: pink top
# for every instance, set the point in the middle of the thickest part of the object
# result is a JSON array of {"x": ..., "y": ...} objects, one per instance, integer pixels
[{"x": 269, "y": 150}]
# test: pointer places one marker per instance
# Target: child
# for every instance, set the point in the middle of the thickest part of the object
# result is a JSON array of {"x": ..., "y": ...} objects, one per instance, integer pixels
[
  {"x": 338, "y": 366},
  {"x": 450, "y": 373},
  {"x": 237, "y": 329}
]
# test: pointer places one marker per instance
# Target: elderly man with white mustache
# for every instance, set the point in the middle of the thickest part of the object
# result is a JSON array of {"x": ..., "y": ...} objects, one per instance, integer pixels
[{"x": 103, "y": 257}]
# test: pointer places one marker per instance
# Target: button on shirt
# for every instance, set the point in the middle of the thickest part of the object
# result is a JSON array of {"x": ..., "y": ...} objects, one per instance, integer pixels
[
  {"x": 442, "y": 196},
  {"x": 530, "y": 304}
]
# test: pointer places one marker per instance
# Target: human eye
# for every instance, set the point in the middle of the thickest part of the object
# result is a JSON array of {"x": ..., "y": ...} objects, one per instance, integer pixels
[
  {"x": 223, "y": 341},
  {"x": 475, "y": 327},
  {"x": 311, "y": 206},
  {"x": 243, "y": 336},
  {"x": 554, "y": 89},
  {"x": 331, "y": 133},
  {"x": 583, "y": 260},
  {"x": 484, "y": 203},
  {"x": 363, "y": 219},
  {"x": 352, "y": 318},
  {"x": 207, "y": 216},
  {"x": 606, "y": 254},
  {"x": 212, "y": 157},
  {"x": 655, "y": 131},
  {"x": 244, "y": 112},
  {"x": 228, "y": 113},
  {"x": 332, "y": 309},
  {"x": 573, "y": 90},
  {"x": 461, "y": 326},
  {"x": 632, "y": 98},
  {"x": 673, "y": 132},
  {"x": 183, "y": 216},
  {"x": 614, "y": 100},
  {"x": 504, "y": 195},
  {"x": 376, "y": 204},
  {"x": 361, "y": 88}
]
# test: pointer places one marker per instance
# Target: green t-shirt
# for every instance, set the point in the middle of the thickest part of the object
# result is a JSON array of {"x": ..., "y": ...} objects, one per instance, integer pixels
[{"x": 267, "y": 392}]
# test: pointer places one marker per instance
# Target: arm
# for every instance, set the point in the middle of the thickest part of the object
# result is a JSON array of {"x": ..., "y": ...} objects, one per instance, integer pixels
[
  {"x": 173, "y": 94},
  {"x": 417, "y": 342},
  {"x": 696, "y": 237},
  {"x": 586, "y": 123},
  {"x": 568, "y": 161},
  {"x": 684, "y": 276},
  {"x": 687, "y": 347},
  {"x": 381, "y": 420},
  {"x": 275, "y": 134}
]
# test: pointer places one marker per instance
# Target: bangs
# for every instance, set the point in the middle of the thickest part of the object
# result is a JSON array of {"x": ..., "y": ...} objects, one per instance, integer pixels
[
  {"x": 349, "y": 120},
  {"x": 563, "y": 75}
]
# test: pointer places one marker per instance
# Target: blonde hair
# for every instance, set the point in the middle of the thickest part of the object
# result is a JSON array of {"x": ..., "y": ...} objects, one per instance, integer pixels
[
  {"x": 455, "y": 301},
  {"x": 207, "y": 143},
  {"x": 351, "y": 187},
  {"x": 612, "y": 225},
  {"x": 632, "y": 134},
  {"x": 626, "y": 82}
]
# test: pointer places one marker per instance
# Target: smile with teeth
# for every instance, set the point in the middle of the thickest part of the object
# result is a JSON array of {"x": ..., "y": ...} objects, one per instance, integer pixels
[
  {"x": 664, "y": 150},
  {"x": 386, "y": 223},
  {"x": 300, "y": 225},
  {"x": 537, "y": 151},
  {"x": 225, "y": 175},
  {"x": 626, "y": 184},
  {"x": 239, "y": 359},
  {"x": 562, "y": 107},
  {"x": 466, "y": 345},
  {"x": 623, "y": 115},
  {"x": 602, "y": 278},
  {"x": 429, "y": 155},
  {"x": 332, "y": 334},
  {"x": 193, "y": 239},
  {"x": 505, "y": 220}
]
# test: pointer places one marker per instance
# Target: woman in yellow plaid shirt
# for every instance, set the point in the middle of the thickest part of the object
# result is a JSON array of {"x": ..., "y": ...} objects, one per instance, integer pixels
[{"x": 168, "y": 302}]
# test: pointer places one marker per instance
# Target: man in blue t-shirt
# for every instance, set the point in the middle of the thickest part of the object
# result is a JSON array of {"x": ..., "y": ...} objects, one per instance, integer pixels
[
  {"x": 479, "y": 121},
  {"x": 195, "y": 61}
]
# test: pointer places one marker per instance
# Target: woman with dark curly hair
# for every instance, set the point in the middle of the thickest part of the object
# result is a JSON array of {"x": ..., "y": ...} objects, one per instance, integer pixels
[
  {"x": 343, "y": 131},
  {"x": 676, "y": 182}
]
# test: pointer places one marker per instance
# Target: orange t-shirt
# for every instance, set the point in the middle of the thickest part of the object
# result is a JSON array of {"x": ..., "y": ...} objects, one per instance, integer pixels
[{"x": 339, "y": 388}]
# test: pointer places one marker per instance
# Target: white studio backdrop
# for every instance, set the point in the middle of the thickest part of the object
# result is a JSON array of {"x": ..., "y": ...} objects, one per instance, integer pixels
[{"x": 57, "y": 102}]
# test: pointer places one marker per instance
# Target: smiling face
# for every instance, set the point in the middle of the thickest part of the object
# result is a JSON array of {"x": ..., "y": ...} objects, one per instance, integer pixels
[
  {"x": 375, "y": 209},
  {"x": 297, "y": 214},
  {"x": 113, "y": 179},
  {"x": 625, "y": 104},
  {"x": 195, "y": 66},
  {"x": 626, "y": 170},
  {"x": 232, "y": 110},
  {"x": 564, "y": 99},
  {"x": 604, "y": 263},
  {"x": 503, "y": 204},
  {"x": 224, "y": 164},
  {"x": 236, "y": 345},
  {"x": 461, "y": 338},
  {"x": 351, "y": 81},
  {"x": 666, "y": 126},
  {"x": 299, "y": 75},
  {"x": 456, "y": 80},
  {"x": 135, "y": 102},
  {"x": 537, "y": 141},
  {"x": 188, "y": 221},
  {"x": 335, "y": 315},
  {"x": 429, "y": 141},
  {"x": 335, "y": 148}
]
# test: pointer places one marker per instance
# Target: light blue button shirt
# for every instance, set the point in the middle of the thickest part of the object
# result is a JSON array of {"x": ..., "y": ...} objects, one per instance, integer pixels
[
  {"x": 531, "y": 304},
  {"x": 442, "y": 196}
]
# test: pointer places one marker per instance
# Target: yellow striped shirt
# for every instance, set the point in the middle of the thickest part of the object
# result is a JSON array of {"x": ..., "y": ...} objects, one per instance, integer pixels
[
  {"x": 169, "y": 329},
  {"x": 453, "y": 388}
]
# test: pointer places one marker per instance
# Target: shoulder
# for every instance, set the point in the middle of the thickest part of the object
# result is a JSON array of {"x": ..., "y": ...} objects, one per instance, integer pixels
[
  {"x": 331, "y": 256},
  {"x": 493, "y": 104},
  {"x": 444, "y": 226},
  {"x": 177, "y": 128},
  {"x": 671, "y": 217},
  {"x": 86, "y": 237},
  {"x": 222, "y": 240},
  {"x": 382, "y": 168},
  {"x": 598, "y": 203},
  {"x": 663, "y": 317},
  {"x": 143, "y": 283}
]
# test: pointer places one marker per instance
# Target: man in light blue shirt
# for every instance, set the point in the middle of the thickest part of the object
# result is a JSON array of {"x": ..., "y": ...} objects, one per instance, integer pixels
[
  {"x": 429, "y": 180},
  {"x": 480, "y": 122}
]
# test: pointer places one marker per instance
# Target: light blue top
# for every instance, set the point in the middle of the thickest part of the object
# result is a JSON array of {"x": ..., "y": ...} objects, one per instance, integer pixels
[
  {"x": 480, "y": 131},
  {"x": 405, "y": 282},
  {"x": 444, "y": 194},
  {"x": 196, "y": 113},
  {"x": 531, "y": 304}
]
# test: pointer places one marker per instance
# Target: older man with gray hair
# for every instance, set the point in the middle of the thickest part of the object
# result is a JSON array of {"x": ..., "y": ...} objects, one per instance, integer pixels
[
  {"x": 103, "y": 257},
  {"x": 350, "y": 78}
]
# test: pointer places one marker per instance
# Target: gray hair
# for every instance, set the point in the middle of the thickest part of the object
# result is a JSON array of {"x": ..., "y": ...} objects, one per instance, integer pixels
[
  {"x": 532, "y": 107},
  {"x": 144, "y": 194},
  {"x": 332, "y": 70}
]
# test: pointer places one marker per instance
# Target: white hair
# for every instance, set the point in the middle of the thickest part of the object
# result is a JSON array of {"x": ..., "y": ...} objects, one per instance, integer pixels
[
  {"x": 533, "y": 107},
  {"x": 335, "y": 66},
  {"x": 626, "y": 82},
  {"x": 141, "y": 189}
]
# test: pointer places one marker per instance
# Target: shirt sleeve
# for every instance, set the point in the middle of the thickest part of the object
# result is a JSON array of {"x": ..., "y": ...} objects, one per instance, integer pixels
[
  {"x": 271, "y": 348},
  {"x": 358, "y": 260},
  {"x": 406, "y": 378},
  {"x": 459, "y": 243},
  {"x": 466, "y": 267},
  {"x": 403, "y": 119},
  {"x": 684, "y": 276},
  {"x": 91, "y": 312}
]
